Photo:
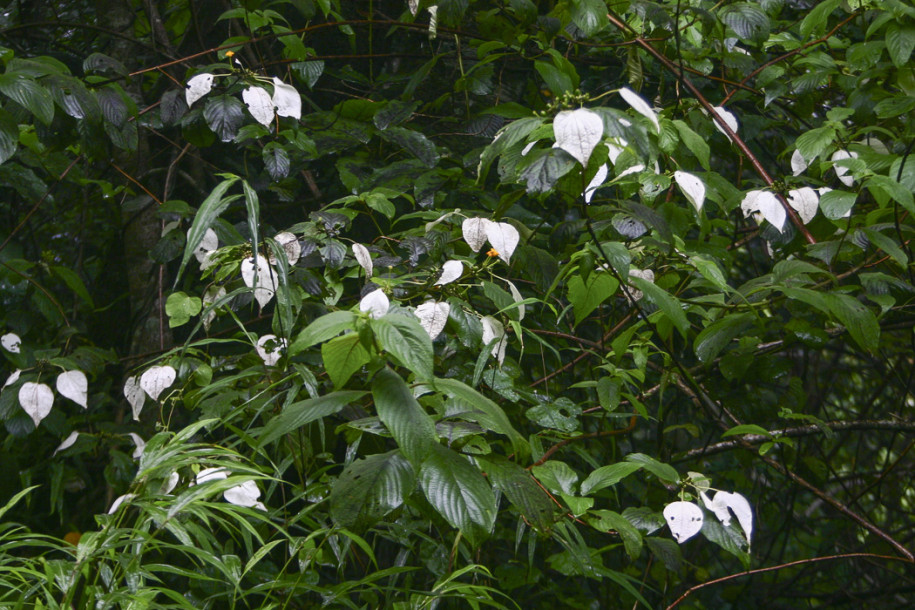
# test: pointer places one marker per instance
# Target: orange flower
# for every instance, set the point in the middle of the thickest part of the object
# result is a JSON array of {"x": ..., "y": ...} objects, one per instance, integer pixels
[
  {"x": 73, "y": 537},
  {"x": 492, "y": 252},
  {"x": 230, "y": 53}
]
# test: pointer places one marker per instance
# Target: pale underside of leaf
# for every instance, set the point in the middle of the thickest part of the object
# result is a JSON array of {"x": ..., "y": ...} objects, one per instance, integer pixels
[
  {"x": 692, "y": 187},
  {"x": 260, "y": 105},
  {"x": 577, "y": 132},
  {"x": 474, "y": 232},
  {"x": 36, "y": 400}
]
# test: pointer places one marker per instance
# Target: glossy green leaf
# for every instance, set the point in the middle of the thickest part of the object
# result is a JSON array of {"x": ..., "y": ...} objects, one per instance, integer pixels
[
  {"x": 665, "y": 301},
  {"x": 326, "y": 327},
  {"x": 663, "y": 471},
  {"x": 297, "y": 414},
  {"x": 404, "y": 338},
  {"x": 209, "y": 211},
  {"x": 457, "y": 489},
  {"x": 586, "y": 296},
  {"x": 605, "y": 476},
  {"x": 370, "y": 488},
  {"x": 716, "y": 336},
  {"x": 408, "y": 422},
  {"x": 344, "y": 356}
]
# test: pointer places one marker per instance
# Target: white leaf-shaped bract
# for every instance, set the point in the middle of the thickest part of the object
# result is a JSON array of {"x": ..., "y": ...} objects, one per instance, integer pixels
[
  {"x": 11, "y": 342},
  {"x": 260, "y": 105},
  {"x": 841, "y": 171},
  {"x": 503, "y": 237},
  {"x": 493, "y": 329},
  {"x": 432, "y": 317},
  {"x": 766, "y": 205},
  {"x": 684, "y": 520},
  {"x": 36, "y": 400},
  {"x": 120, "y": 500},
  {"x": 646, "y": 274},
  {"x": 155, "y": 379},
  {"x": 270, "y": 356},
  {"x": 245, "y": 494},
  {"x": 363, "y": 258},
  {"x": 134, "y": 395},
  {"x": 798, "y": 163},
  {"x": 170, "y": 483},
  {"x": 376, "y": 303},
  {"x": 68, "y": 442},
  {"x": 638, "y": 104},
  {"x": 632, "y": 170},
  {"x": 599, "y": 178},
  {"x": 13, "y": 378},
  {"x": 692, "y": 187},
  {"x": 577, "y": 132},
  {"x": 474, "y": 232},
  {"x": 725, "y": 500},
  {"x": 262, "y": 278},
  {"x": 210, "y": 296},
  {"x": 451, "y": 271},
  {"x": 616, "y": 147},
  {"x": 197, "y": 87},
  {"x": 73, "y": 385},
  {"x": 805, "y": 202},
  {"x": 290, "y": 245},
  {"x": 729, "y": 119},
  {"x": 528, "y": 148},
  {"x": 140, "y": 444},
  {"x": 208, "y": 243},
  {"x": 414, "y": 6},
  {"x": 517, "y": 298},
  {"x": 286, "y": 99},
  {"x": 211, "y": 474}
]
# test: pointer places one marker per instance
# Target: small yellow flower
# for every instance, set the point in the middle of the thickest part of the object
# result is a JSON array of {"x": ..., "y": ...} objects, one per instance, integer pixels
[
  {"x": 492, "y": 252},
  {"x": 230, "y": 53}
]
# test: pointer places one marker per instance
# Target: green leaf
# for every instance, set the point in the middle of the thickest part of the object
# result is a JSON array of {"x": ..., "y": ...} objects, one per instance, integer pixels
[
  {"x": 326, "y": 327},
  {"x": 521, "y": 490},
  {"x": 813, "y": 142},
  {"x": 664, "y": 472},
  {"x": 835, "y": 204},
  {"x": 728, "y": 538},
  {"x": 545, "y": 171},
  {"x": 589, "y": 15},
  {"x": 180, "y": 308},
  {"x": 99, "y": 62},
  {"x": 558, "y": 81},
  {"x": 416, "y": 143},
  {"x": 717, "y": 335},
  {"x": 74, "y": 283},
  {"x": 896, "y": 191},
  {"x": 694, "y": 142},
  {"x": 888, "y": 245},
  {"x": 276, "y": 161},
  {"x": 857, "y": 318},
  {"x": 605, "y": 476},
  {"x": 587, "y": 296},
  {"x": 746, "y": 429},
  {"x": 606, "y": 520},
  {"x": 344, "y": 356},
  {"x": 747, "y": 20},
  {"x": 560, "y": 414},
  {"x": 28, "y": 94},
  {"x": 816, "y": 20},
  {"x": 297, "y": 414},
  {"x": 900, "y": 40},
  {"x": 457, "y": 490},
  {"x": 407, "y": 421},
  {"x": 667, "y": 302},
  {"x": 209, "y": 211},
  {"x": 224, "y": 114},
  {"x": 556, "y": 476},
  {"x": 9, "y": 136},
  {"x": 369, "y": 489},
  {"x": 404, "y": 338}
]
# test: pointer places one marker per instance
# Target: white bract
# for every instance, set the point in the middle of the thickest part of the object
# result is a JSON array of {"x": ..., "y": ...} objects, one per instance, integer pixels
[
  {"x": 13, "y": 378},
  {"x": 210, "y": 296},
  {"x": 528, "y": 148},
  {"x": 36, "y": 400},
  {"x": 270, "y": 356},
  {"x": 798, "y": 163},
  {"x": 638, "y": 104},
  {"x": 11, "y": 342},
  {"x": 363, "y": 258},
  {"x": 692, "y": 187},
  {"x": 208, "y": 243},
  {"x": 684, "y": 520},
  {"x": 120, "y": 500},
  {"x": 805, "y": 202},
  {"x": 375, "y": 303},
  {"x": 451, "y": 271},
  {"x": 517, "y": 298},
  {"x": 73, "y": 385},
  {"x": 599, "y": 178},
  {"x": 261, "y": 277},
  {"x": 197, "y": 87},
  {"x": 170, "y": 483},
  {"x": 135, "y": 396},
  {"x": 286, "y": 99},
  {"x": 291, "y": 246},
  {"x": 155, "y": 379},
  {"x": 729, "y": 119},
  {"x": 764, "y": 204},
  {"x": 433, "y": 316},
  {"x": 632, "y": 170},
  {"x": 839, "y": 155},
  {"x": 474, "y": 232},
  {"x": 503, "y": 237},
  {"x": 577, "y": 132},
  {"x": 726, "y": 502},
  {"x": 68, "y": 442},
  {"x": 245, "y": 494},
  {"x": 492, "y": 330},
  {"x": 139, "y": 443},
  {"x": 646, "y": 274},
  {"x": 211, "y": 474},
  {"x": 260, "y": 104}
]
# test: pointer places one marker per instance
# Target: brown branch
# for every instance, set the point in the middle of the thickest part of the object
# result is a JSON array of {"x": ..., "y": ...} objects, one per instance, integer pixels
[
  {"x": 135, "y": 181},
  {"x": 782, "y": 566},
  {"x": 756, "y": 439},
  {"x": 754, "y": 161},
  {"x": 549, "y": 452}
]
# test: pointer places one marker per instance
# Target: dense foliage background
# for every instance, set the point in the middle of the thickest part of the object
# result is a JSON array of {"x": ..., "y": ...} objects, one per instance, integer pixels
[{"x": 515, "y": 277}]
